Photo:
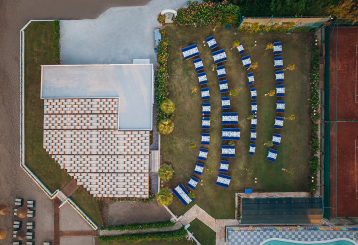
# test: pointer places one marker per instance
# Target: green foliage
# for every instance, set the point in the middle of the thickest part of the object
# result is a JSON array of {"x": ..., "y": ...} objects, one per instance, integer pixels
[
  {"x": 165, "y": 126},
  {"x": 231, "y": 142},
  {"x": 192, "y": 195},
  {"x": 167, "y": 106},
  {"x": 233, "y": 92},
  {"x": 161, "y": 18},
  {"x": 164, "y": 197},
  {"x": 257, "y": 28},
  {"x": 167, "y": 236},
  {"x": 193, "y": 145},
  {"x": 134, "y": 227},
  {"x": 165, "y": 172},
  {"x": 147, "y": 200},
  {"x": 56, "y": 41},
  {"x": 314, "y": 165},
  {"x": 207, "y": 13}
]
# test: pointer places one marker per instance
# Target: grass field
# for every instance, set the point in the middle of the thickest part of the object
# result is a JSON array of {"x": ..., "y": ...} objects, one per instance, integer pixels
[
  {"x": 294, "y": 151},
  {"x": 150, "y": 243},
  {"x": 38, "y": 51},
  {"x": 202, "y": 233}
]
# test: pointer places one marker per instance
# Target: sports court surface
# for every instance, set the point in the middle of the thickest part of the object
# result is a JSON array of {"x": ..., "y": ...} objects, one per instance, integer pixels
[{"x": 344, "y": 109}]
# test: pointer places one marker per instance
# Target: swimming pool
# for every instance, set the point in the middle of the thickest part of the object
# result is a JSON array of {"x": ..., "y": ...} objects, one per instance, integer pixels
[{"x": 341, "y": 241}]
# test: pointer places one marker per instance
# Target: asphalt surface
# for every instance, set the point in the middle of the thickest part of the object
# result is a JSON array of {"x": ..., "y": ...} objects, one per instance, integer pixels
[{"x": 13, "y": 180}]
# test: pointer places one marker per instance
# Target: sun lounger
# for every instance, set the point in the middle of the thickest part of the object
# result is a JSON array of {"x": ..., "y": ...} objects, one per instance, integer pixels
[
  {"x": 272, "y": 155},
  {"x": 47, "y": 243},
  {"x": 278, "y": 62},
  {"x": 276, "y": 139},
  {"x": 278, "y": 122},
  {"x": 251, "y": 79},
  {"x": 254, "y": 122},
  {"x": 30, "y": 235},
  {"x": 206, "y": 109},
  {"x": 220, "y": 70},
  {"x": 192, "y": 183},
  {"x": 253, "y": 93},
  {"x": 205, "y": 95},
  {"x": 203, "y": 154},
  {"x": 280, "y": 76},
  {"x": 223, "y": 180},
  {"x": 253, "y": 135},
  {"x": 225, "y": 102},
  {"x": 30, "y": 204},
  {"x": 240, "y": 48},
  {"x": 18, "y": 201},
  {"x": 280, "y": 106},
  {"x": 198, "y": 63},
  {"x": 252, "y": 149},
  {"x": 29, "y": 243},
  {"x": 30, "y": 225},
  {"x": 277, "y": 48},
  {"x": 224, "y": 87},
  {"x": 211, "y": 42},
  {"x": 16, "y": 242},
  {"x": 199, "y": 168},
  {"x": 280, "y": 90},
  {"x": 16, "y": 225},
  {"x": 253, "y": 107},
  {"x": 190, "y": 52},
  {"x": 15, "y": 211},
  {"x": 230, "y": 134},
  {"x": 230, "y": 118},
  {"x": 224, "y": 166},
  {"x": 205, "y": 138},
  {"x": 30, "y": 213},
  {"x": 182, "y": 194},
  {"x": 202, "y": 78},
  {"x": 248, "y": 191},
  {"x": 14, "y": 234},
  {"x": 246, "y": 61},
  {"x": 219, "y": 56},
  {"x": 205, "y": 123},
  {"x": 228, "y": 151}
]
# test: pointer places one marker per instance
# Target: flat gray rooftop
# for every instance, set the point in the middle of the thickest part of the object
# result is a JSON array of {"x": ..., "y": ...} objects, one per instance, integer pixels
[{"x": 131, "y": 83}]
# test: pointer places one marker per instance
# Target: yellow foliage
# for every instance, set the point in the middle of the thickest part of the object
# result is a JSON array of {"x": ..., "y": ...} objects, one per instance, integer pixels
[
  {"x": 194, "y": 89},
  {"x": 269, "y": 46},
  {"x": 254, "y": 65},
  {"x": 345, "y": 9},
  {"x": 291, "y": 67},
  {"x": 292, "y": 117}
]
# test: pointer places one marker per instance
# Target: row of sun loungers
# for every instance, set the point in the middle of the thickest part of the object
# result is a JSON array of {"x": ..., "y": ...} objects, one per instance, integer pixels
[
  {"x": 30, "y": 203},
  {"x": 182, "y": 194}
]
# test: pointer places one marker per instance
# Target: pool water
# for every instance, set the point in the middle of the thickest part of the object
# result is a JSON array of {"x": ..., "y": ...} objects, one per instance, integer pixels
[{"x": 333, "y": 242}]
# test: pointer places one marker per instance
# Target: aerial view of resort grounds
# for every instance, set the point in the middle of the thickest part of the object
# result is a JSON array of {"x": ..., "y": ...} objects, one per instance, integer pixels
[{"x": 179, "y": 122}]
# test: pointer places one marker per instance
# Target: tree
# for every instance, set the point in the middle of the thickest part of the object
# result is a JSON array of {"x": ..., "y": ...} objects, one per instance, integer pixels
[
  {"x": 252, "y": 116},
  {"x": 233, "y": 92},
  {"x": 254, "y": 65},
  {"x": 290, "y": 67},
  {"x": 194, "y": 89},
  {"x": 192, "y": 145},
  {"x": 236, "y": 43},
  {"x": 192, "y": 195},
  {"x": 271, "y": 93},
  {"x": 164, "y": 197},
  {"x": 292, "y": 117},
  {"x": 268, "y": 143},
  {"x": 345, "y": 9},
  {"x": 165, "y": 172},
  {"x": 210, "y": 171},
  {"x": 213, "y": 67},
  {"x": 167, "y": 106},
  {"x": 165, "y": 126},
  {"x": 269, "y": 46},
  {"x": 232, "y": 142}
]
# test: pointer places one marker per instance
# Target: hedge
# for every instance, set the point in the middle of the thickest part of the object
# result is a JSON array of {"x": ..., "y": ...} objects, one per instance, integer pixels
[
  {"x": 131, "y": 227},
  {"x": 56, "y": 42},
  {"x": 167, "y": 236}
]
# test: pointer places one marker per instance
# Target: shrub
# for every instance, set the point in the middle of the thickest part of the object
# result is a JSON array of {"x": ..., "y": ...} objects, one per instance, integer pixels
[
  {"x": 147, "y": 200},
  {"x": 164, "y": 197},
  {"x": 165, "y": 126},
  {"x": 56, "y": 41},
  {"x": 167, "y": 106},
  {"x": 156, "y": 225},
  {"x": 161, "y": 18},
  {"x": 165, "y": 172}
]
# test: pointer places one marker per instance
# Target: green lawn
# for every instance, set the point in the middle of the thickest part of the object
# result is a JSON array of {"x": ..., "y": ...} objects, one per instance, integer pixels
[
  {"x": 38, "y": 51},
  {"x": 202, "y": 233},
  {"x": 294, "y": 151},
  {"x": 150, "y": 243}
]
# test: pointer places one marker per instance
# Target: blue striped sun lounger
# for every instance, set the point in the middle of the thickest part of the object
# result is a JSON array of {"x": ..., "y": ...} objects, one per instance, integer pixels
[
  {"x": 278, "y": 62},
  {"x": 230, "y": 134},
  {"x": 206, "y": 108},
  {"x": 253, "y": 134},
  {"x": 198, "y": 63},
  {"x": 205, "y": 95},
  {"x": 240, "y": 48},
  {"x": 224, "y": 166},
  {"x": 220, "y": 70},
  {"x": 253, "y": 107},
  {"x": 224, "y": 87},
  {"x": 223, "y": 180},
  {"x": 278, "y": 122},
  {"x": 252, "y": 149},
  {"x": 192, "y": 183},
  {"x": 246, "y": 61},
  {"x": 190, "y": 52},
  {"x": 219, "y": 56},
  {"x": 202, "y": 78},
  {"x": 199, "y": 168},
  {"x": 228, "y": 151},
  {"x": 211, "y": 42},
  {"x": 205, "y": 138},
  {"x": 280, "y": 76},
  {"x": 277, "y": 48},
  {"x": 183, "y": 195},
  {"x": 251, "y": 79},
  {"x": 203, "y": 154},
  {"x": 272, "y": 155},
  {"x": 276, "y": 139},
  {"x": 254, "y": 122},
  {"x": 280, "y": 90},
  {"x": 230, "y": 118},
  {"x": 280, "y": 106},
  {"x": 205, "y": 123},
  {"x": 225, "y": 102},
  {"x": 253, "y": 93}
]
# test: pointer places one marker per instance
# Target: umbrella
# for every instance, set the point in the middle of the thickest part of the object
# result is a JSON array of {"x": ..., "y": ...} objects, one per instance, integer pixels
[
  {"x": 21, "y": 234},
  {"x": 4, "y": 209},
  {"x": 3, "y": 233},
  {"x": 21, "y": 212}
]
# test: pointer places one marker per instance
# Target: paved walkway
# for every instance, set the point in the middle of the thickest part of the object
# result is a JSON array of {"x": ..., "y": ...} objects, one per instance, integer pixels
[
  {"x": 70, "y": 188},
  {"x": 217, "y": 225}
]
